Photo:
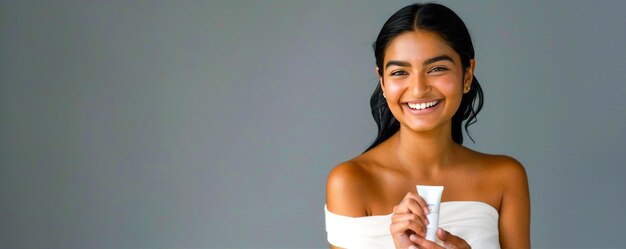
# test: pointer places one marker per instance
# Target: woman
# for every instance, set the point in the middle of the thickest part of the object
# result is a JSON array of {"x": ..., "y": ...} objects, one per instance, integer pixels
[{"x": 425, "y": 64}]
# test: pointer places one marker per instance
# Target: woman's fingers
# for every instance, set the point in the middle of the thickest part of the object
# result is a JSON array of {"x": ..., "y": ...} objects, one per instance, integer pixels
[
  {"x": 422, "y": 203},
  {"x": 409, "y": 219},
  {"x": 413, "y": 199},
  {"x": 411, "y": 204},
  {"x": 423, "y": 243},
  {"x": 403, "y": 222},
  {"x": 451, "y": 241}
]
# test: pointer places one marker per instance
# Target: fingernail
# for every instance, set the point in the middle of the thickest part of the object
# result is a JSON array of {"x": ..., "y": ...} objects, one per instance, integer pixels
[
  {"x": 413, "y": 237},
  {"x": 426, "y": 210},
  {"x": 412, "y": 247}
]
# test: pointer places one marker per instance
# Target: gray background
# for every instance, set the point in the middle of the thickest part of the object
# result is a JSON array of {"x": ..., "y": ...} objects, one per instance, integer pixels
[{"x": 161, "y": 124}]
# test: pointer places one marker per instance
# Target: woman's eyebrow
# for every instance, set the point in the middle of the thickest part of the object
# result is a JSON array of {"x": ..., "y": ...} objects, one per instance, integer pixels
[
  {"x": 426, "y": 62},
  {"x": 438, "y": 58},
  {"x": 397, "y": 63}
]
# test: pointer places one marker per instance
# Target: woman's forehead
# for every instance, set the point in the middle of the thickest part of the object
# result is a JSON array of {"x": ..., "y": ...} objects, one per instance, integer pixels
[{"x": 418, "y": 46}]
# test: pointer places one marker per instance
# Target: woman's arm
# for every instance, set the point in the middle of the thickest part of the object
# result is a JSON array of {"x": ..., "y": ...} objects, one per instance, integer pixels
[
  {"x": 514, "y": 224},
  {"x": 345, "y": 193},
  {"x": 346, "y": 190}
]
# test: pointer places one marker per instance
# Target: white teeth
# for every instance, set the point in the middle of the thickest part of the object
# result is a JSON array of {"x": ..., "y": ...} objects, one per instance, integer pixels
[{"x": 423, "y": 106}]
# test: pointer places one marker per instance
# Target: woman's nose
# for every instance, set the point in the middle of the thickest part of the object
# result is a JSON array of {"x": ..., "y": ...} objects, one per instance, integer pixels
[{"x": 419, "y": 86}]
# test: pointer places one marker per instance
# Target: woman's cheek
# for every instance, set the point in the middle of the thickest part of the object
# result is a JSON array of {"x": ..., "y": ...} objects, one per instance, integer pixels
[
  {"x": 395, "y": 88},
  {"x": 451, "y": 85}
]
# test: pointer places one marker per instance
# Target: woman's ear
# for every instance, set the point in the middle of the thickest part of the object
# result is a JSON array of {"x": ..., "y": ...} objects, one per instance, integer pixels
[
  {"x": 469, "y": 76},
  {"x": 380, "y": 79}
]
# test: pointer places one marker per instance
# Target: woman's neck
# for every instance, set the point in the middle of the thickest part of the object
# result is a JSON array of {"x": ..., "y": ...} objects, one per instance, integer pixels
[{"x": 423, "y": 153}]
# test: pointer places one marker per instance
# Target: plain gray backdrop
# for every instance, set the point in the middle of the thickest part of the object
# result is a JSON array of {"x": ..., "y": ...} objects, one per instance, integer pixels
[{"x": 213, "y": 124}]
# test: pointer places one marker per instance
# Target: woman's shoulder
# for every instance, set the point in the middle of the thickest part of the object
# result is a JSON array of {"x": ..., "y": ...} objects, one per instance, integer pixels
[
  {"x": 509, "y": 173},
  {"x": 349, "y": 184},
  {"x": 501, "y": 164},
  {"x": 357, "y": 168},
  {"x": 503, "y": 170},
  {"x": 500, "y": 176},
  {"x": 504, "y": 166}
]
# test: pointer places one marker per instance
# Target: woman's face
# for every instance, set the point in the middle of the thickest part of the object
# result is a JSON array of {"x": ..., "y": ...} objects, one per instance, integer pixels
[{"x": 423, "y": 80}]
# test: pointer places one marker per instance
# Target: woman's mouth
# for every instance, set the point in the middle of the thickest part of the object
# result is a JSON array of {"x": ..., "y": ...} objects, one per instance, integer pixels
[{"x": 422, "y": 106}]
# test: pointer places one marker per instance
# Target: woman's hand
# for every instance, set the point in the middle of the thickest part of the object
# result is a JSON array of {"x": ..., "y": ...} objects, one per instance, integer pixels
[
  {"x": 409, "y": 219},
  {"x": 449, "y": 241}
]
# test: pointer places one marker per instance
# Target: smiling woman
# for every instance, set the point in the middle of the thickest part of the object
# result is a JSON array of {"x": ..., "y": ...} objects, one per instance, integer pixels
[
  {"x": 425, "y": 64},
  {"x": 422, "y": 70}
]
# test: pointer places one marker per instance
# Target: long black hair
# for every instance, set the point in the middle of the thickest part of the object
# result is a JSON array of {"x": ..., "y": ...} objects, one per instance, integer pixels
[{"x": 443, "y": 21}]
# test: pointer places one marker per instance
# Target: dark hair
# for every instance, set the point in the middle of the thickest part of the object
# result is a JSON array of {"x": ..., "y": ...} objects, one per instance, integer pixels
[{"x": 443, "y": 21}]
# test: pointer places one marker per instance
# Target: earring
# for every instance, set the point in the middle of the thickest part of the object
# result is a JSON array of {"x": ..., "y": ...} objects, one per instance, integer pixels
[
  {"x": 384, "y": 95},
  {"x": 468, "y": 88}
]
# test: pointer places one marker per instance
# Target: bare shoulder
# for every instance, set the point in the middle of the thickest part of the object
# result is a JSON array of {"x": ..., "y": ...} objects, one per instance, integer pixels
[
  {"x": 513, "y": 179},
  {"x": 500, "y": 167},
  {"x": 514, "y": 210},
  {"x": 502, "y": 162},
  {"x": 508, "y": 175},
  {"x": 347, "y": 187},
  {"x": 506, "y": 168}
]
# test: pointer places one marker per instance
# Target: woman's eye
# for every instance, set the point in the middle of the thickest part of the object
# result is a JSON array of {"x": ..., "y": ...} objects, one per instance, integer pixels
[
  {"x": 396, "y": 73},
  {"x": 438, "y": 69}
]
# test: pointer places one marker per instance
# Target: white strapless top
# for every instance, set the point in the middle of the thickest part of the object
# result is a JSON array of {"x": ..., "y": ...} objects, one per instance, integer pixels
[{"x": 475, "y": 222}]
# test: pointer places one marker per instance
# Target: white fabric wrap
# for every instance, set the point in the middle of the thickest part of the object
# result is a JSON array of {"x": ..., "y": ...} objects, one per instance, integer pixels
[
  {"x": 362, "y": 232},
  {"x": 475, "y": 222}
]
